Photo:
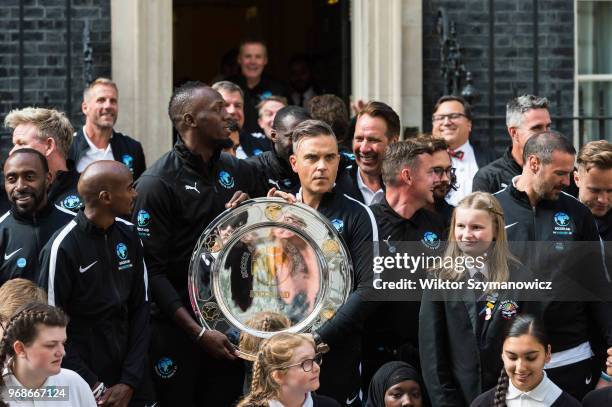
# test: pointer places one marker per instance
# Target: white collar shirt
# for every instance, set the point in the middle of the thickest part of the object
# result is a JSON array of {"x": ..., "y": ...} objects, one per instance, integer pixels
[
  {"x": 543, "y": 395},
  {"x": 465, "y": 169},
  {"x": 93, "y": 154},
  {"x": 307, "y": 403},
  {"x": 369, "y": 197}
]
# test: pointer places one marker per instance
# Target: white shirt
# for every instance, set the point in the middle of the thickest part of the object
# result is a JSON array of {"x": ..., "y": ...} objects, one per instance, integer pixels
[
  {"x": 544, "y": 395},
  {"x": 93, "y": 154},
  {"x": 78, "y": 392},
  {"x": 369, "y": 197},
  {"x": 307, "y": 403},
  {"x": 465, "y": 169}
]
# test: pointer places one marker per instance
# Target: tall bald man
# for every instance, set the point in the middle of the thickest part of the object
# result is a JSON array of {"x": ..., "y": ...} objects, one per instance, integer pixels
[{"x": 94, "y": 269}]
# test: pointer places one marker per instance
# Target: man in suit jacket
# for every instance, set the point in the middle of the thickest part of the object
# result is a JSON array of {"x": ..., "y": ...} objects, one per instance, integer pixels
[{"x": 452, "y": 120}]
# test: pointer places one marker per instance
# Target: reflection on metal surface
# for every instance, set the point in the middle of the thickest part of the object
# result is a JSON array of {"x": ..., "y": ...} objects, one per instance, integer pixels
[{"x": 265, "y": 267}]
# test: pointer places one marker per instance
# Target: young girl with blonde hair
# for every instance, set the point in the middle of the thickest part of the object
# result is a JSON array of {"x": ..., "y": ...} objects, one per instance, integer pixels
[{"x": 286, "y": 373}]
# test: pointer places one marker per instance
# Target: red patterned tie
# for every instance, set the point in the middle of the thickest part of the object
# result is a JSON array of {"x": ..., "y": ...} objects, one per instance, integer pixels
[{"x": 458, "y": 154}]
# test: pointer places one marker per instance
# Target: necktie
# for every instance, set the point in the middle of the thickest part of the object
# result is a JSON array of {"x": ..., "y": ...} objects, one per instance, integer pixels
[{"x": 458, "y": 154}]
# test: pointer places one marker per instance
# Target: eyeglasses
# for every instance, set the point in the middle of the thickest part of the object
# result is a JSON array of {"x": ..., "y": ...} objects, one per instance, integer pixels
[
  {"x": 440, "y": 171},
  {"x": 308, "y": 363},
  {"x": 451, "y": 116}
]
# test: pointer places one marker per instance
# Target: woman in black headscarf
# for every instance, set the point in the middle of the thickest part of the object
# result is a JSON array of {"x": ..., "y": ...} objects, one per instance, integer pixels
[{"x": 395, "y": 384}]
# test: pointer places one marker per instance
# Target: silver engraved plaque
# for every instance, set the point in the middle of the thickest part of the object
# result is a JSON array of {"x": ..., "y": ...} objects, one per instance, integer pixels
[{"x": 265, "y": 267}]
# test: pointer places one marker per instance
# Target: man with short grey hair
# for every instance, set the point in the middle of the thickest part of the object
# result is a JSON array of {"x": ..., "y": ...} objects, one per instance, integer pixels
[
  {"x": 234, "y": 104},
  {"x": 526, "y": 115}
]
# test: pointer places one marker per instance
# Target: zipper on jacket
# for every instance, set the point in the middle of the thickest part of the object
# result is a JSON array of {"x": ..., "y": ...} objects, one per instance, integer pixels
[
  {"x": 534, "y": 212},
  {"x": 114, "y": 284}
]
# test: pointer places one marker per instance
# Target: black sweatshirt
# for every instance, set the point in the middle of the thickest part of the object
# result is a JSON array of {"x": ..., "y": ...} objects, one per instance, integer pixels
[
  {"x": 356, "y": 225},
  {"x": 558, "y": 240},
  {"x": 177, "y": 198},
  {"x": 22, "y": 237},
  {"x": 99, "y": 278}
]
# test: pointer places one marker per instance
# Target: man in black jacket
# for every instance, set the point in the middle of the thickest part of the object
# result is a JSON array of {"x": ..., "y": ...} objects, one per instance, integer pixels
[
  {"x": 526, "y": 115},
  {"x": 94, "y": 269},
  {"x": 32, "y": 220},
  {"x": 315, "y": 159},
  {"x": 177, "y": 198},
  {"x": 275, "y": 164},
  {"x": 594, "y": 180},
  {"x": 49, "y": 132},
  {"x": 97, "y": 140},
  {"x": 556, "y": 237}
]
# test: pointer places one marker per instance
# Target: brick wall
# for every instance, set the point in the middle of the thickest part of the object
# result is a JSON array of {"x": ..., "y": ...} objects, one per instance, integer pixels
[
  {"x": 45, "y": 35},
  {"x": 513, "y": 51}
]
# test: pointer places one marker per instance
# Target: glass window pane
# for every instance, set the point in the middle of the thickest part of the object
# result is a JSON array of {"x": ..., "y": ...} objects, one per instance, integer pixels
[
  {"x": 594, "y": 33},
  {"x": 596, "y": 101}
]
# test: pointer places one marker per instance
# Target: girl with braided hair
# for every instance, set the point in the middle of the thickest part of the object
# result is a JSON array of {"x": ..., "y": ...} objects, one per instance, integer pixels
[
  {"x": 286, "y": 373},
  {"x": 523, "y": 381},
  {"x": 31, "y": 353}
]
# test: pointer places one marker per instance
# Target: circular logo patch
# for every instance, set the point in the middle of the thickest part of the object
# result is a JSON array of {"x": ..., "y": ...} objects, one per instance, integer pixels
[
  {"x": 165, "y": 368},
  {"x": 21, "y": 262},
  {"x": 122, "y": 251},
  {"x": 226, "y": 179},
  {"x": 562, "y": 219},
  {"x": 431, "y": 240},
  {"x": 143, "y": 218},
  {"x": 71, "y": 202}
]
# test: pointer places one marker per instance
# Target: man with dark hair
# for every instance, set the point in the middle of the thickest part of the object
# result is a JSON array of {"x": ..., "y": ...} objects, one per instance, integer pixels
[
  {"x": 234, "y": 104},
  {"x": 275, "y": 164},
  {"x": 32, "y": 219},
  {"x": 315, "y": 159},
  {"x": 556, "y": 237},
  {"x": 526, "y": 115},
  {"x": 409, "y": 176},
  {"x": 93, "y": 268},
  {"x": 252, "y": 59},
  {"x": 594, "y": 180},
  {"x": 331, "y": 110},
  {"x": 50, "y": 133},
  {"x": 443, "y": 168},
  {"x": 97, "y": 140},
  {"x": 377, "y": 127},
  {"x": 177, "y": 198},
  {"x": 452, "y": 120},
  {"x": 301, "y": 81}
]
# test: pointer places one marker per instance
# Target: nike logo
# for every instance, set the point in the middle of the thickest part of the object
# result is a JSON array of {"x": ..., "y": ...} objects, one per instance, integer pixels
[
  {"x": 84, "y": 269},
  {"x": 349, "y": 402},
  {"x": 8, "y": 256},
  {"x": 194, "y": 187},
  {"x": 510, "y": 225},
  {"x": 588, "y": 380}
]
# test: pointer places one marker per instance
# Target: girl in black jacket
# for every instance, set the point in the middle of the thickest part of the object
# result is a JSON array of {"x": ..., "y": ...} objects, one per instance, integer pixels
[
  {"x": 461, "y": 328},
  {"x": 525, "y": 351}
]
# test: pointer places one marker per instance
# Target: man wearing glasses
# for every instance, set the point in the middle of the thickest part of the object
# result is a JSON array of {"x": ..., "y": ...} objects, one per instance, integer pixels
[
  {"x": 526, "y": 115},
  {"x": 442, "y": 168},
  {"x": 452, "y": 120}
]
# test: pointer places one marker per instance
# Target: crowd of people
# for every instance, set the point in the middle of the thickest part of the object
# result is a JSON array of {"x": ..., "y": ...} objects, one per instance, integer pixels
[{"x": 94, "y": 300}]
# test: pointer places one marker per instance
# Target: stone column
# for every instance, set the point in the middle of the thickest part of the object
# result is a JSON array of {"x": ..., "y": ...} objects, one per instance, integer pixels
[
  {"x": 387, "y": 55},
  {"x": 142, "y": 67}
]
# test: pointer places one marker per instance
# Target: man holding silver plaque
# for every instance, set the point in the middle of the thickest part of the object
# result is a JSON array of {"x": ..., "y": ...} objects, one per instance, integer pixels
[
  {"x": 177, "y": 197},
  {"x": 315, "y": 159}
]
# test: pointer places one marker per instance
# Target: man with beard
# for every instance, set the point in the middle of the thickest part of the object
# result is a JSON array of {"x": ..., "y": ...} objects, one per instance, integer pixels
[
  {"x": 50, "y": 133},
  {"x": 452, "y": 120},
  {"x": 556, "y": 237},
  {"x": 177, "y": 198},
  {"x": 526, "y": 115},
  {"x": 32, "y": 219},
  {"x": 97, "y": 140},
  {"x": 275, "y": 164},
  {"x": 377, "y": 127},
  {"x": 594, "y": 180},
  {"x": 442, "y": 167},
  {"x": 94, "y": 269},
  {"x": 405, "y": 227}
]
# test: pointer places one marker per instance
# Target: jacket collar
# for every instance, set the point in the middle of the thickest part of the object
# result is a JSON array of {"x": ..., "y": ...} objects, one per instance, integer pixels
[
  {"x": 511, "y": 162},
  {"x": 34, "y": 217},
  {"x": 395, "y": 218},
  {"x": 89, "y": 227},
  {"x": 193, "y": 160}
]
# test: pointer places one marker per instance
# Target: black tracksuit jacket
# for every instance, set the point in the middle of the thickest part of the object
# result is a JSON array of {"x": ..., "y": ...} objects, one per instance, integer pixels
[
  {"x": 99, "y": 278},
  {"x": 22, "y": 237},
  {"x": 126, "y": 150},
  {"x": 177, "y": 198},
  {"x": 558, "y": 241}
]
